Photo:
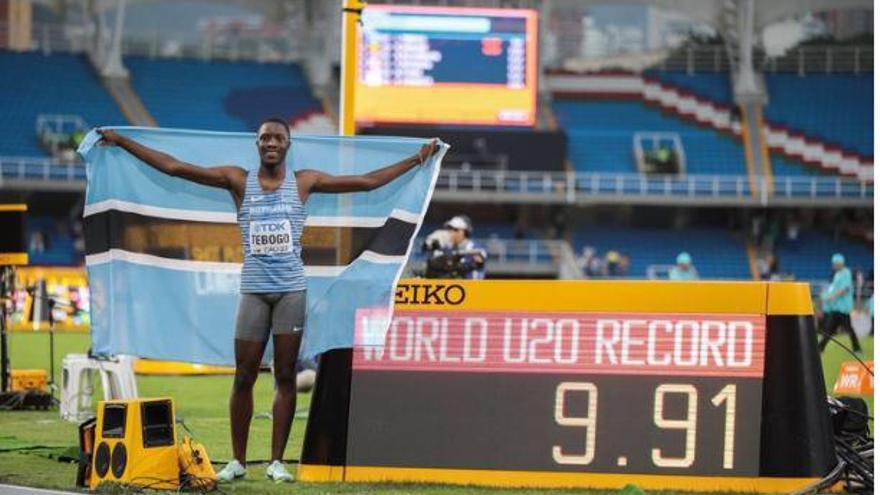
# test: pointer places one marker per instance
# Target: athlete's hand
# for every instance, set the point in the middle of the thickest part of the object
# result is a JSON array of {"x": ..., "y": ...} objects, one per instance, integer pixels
[
  {"x": 108, "y": 137},
  {"x": 427, "y": 150}
]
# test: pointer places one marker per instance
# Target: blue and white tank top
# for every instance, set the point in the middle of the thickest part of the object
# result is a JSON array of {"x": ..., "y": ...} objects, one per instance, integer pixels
[{"x": 271, "y": 226}]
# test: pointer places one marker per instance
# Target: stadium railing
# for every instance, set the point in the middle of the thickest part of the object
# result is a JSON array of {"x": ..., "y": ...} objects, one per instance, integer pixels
[
  {"x": 803, "y": 59},
  {"x": 55, "y": 130},
  {"x": 564, "y": 187},
  {"x": 499, "y": 250},
  {"x": 60, "y": 123},
  {"x": 572, "y": 187},
  {"x": 41, "y": 169}
]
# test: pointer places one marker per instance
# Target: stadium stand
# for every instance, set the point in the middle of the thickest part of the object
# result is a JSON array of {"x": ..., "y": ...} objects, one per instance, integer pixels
[
  {"x": 601, "y": 133},
  {"x": 717, "y": 253},
  {"x": 840, "y": 109},
  {"x": 837, "y": 117},
  {"x": 786, "y": 167},
  {"x": 714, "y": 86},
  {"x": 224, "y": 96},
  {"x": 809, "y": 257},
  {"x": 27, "y": 95}
]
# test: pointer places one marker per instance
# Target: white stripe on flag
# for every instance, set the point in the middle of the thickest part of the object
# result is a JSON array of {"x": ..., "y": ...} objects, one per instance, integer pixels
[
  {"x": 150, "y": 260},
  {"x": 159, "y": 211},
  {"x": 325, "y": 221},
  {"x": 325, "y": 271},
  {"x": 222, "y": 217},
  {"x": 381, "y": 258},
  {"x": 217, "y": 266}
]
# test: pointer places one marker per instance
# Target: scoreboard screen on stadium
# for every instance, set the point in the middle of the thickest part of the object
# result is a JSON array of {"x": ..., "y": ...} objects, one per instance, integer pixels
[{"x": 439, "y": 65}]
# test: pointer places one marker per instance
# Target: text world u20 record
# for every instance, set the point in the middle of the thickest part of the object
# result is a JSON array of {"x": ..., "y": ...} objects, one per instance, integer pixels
[{"x": 678, "y": 344}]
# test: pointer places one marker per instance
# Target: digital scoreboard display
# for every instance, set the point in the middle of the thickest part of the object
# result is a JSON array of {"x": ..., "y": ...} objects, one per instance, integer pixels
[
  {"x": 697, "y": 386},
  {"x": 441, "y": 65},
  {"x": 614, "y": 392}
]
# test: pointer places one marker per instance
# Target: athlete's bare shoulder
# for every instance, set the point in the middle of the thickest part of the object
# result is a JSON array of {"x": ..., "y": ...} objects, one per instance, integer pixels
[{"x": 235, "y": 178}]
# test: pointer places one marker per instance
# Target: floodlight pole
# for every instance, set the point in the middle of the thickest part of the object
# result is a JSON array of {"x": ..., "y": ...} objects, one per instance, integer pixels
[
  {"x": 745, "y": 78},
  {"x": 351, "y": 16},
  {"x": 112, "y": 65}
]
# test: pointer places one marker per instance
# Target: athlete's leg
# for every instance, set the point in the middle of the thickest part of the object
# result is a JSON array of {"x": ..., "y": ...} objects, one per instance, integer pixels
[
  {"x": 248, "y": 355},
  {"x": 284, "y": 406},
  {"x": 251, "y": 337},
  {"x": 287, "y": 327}
]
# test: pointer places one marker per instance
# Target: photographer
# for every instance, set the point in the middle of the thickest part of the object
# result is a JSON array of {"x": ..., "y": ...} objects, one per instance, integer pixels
[{"x": 451, "y": 252}]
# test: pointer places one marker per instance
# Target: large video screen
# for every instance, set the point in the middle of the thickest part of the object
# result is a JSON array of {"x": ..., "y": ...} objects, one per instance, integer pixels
[{"x": 441, "y": 65}]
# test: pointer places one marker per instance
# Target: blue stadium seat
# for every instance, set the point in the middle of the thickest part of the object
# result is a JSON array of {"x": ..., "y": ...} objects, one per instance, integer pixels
[
  {"x": 55, "y": 84},
  {"x": 809, "y": 258},
  {"x": 226, "y": 96},
  {"x": 836, "y": 108},
  {"x": 714, "y": 86},
  {"x": 785, "y": 167},
  {"x": 600, "y": 137},
  {"x": 717, "y": 253}
]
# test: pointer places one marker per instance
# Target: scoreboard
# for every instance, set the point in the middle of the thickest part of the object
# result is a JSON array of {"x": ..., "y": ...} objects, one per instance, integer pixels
[
  {"x": 442, "y": 65},
  {"x": 687, "y": 386}
]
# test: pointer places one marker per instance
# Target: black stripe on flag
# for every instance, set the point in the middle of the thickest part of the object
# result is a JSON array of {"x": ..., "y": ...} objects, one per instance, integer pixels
[{"x": 207, "y": 241}]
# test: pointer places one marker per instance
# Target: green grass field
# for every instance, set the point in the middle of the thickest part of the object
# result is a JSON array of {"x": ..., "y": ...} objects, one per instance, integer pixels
[{"x": 201, "y": 401}]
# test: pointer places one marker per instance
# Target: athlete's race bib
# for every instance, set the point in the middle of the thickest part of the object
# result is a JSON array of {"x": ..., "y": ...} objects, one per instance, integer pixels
[{"x": 270, "y": 237}]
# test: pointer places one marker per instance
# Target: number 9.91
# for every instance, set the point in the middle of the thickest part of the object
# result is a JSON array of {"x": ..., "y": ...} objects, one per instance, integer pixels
[{"x": 688, "y": 424}]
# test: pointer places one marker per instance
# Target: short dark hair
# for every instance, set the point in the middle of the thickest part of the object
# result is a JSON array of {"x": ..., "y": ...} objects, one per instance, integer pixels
[{"x": 275, "y": 120}]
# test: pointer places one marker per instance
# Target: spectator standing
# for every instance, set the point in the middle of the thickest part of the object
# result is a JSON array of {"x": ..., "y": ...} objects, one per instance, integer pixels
[
  {"x": 584, "y": 260},
  {"x": 769, "y": 267},
  {"x": 613, "y": 264},
  {"x": 684, "y": 268}
]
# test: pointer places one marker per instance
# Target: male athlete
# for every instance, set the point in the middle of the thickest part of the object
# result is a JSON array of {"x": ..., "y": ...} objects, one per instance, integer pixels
[{"x": 273, "y": 284}]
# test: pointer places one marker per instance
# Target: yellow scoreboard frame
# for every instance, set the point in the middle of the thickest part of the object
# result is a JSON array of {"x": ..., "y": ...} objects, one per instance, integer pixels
[{"x": 399, "y": 418}]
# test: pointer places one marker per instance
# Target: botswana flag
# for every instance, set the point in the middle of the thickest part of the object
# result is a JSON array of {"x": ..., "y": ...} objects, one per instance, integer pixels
[{"x": 164, "y": 254}]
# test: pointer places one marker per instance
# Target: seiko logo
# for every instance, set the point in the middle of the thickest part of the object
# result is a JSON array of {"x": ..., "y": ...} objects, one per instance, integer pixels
[{"x": 440, "y": 294}]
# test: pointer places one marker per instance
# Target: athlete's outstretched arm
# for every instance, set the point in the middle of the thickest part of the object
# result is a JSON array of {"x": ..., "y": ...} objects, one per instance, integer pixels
[
  {"x": 228, "y": 177},
  {"x": 315, "y": 181}
]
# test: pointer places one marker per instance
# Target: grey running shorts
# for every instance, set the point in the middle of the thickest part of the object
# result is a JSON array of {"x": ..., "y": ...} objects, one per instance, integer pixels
[{"x": 278, "y": 312}]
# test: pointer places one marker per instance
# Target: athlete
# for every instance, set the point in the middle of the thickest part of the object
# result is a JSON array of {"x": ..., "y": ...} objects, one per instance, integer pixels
[{"x": 271, "y": 215}]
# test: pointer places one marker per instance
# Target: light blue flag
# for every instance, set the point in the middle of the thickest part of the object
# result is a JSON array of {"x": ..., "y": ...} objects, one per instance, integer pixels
[{"x": 164, "y": 254}]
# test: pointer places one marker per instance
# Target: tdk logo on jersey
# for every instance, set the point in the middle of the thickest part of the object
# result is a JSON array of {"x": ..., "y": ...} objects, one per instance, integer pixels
[
  {"x": 269, "y": 227},
  {"x": 440, "y": 294}
]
